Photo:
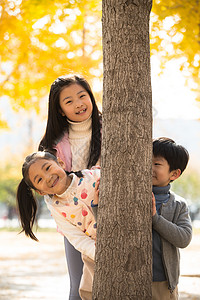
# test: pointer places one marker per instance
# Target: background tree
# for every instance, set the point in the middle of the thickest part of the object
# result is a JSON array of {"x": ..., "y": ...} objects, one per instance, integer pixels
[
  {"x": 3, "y": 123},
  {"x": 8, "y": 185},
  {"x": 188, "y": 186},
  {"x": 175, "y": 34},
  {"x": 41, "y": 40},
  {"x": 123, "y": 257},
  {"x": 10, "y": 178}
]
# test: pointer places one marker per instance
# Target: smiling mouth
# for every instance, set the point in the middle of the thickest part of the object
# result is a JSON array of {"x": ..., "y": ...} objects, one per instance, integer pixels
[
  {"x": 81, "y": 111},
  {"x": 55, "y": 182}
]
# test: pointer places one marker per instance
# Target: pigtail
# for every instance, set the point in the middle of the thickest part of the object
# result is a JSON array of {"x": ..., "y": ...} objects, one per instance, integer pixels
[{"x": 27, "y": 208}]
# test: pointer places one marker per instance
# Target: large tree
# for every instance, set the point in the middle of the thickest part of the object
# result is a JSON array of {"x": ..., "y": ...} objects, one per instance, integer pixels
[{"x": 124, "y": 241}]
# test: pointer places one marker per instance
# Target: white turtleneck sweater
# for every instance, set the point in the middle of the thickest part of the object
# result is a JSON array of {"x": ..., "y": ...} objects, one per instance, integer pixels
[{"x": 80, "y": 138}]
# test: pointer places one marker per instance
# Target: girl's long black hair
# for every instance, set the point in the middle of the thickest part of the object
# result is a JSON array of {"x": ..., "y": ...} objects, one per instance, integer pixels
[
  {"x": 26, "y": 202},
  {"x": 57, "y": 124},
  {"x": 27, "y": 208}
]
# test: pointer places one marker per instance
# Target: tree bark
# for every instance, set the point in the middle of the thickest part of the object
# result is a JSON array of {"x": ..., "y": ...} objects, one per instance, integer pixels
[{"x": 124, "y": 239}]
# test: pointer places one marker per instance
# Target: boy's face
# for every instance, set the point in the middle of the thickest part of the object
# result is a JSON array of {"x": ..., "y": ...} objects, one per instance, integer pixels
[
  {"x": 161, "y": 176},
  {"x": 48, "y": 177}
]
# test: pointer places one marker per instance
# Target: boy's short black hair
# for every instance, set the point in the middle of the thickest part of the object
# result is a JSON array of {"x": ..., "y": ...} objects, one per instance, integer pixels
[{"x": 176, "y": 155}]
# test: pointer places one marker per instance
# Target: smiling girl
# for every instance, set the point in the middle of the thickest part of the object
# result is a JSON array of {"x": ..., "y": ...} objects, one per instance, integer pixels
[
  {"x": 73, "y": 133},
  {"x": 68, "y": 197}
]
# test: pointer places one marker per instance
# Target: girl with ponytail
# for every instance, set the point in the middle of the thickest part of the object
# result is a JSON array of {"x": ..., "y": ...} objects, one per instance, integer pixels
[{"x": 68, "y": 196}]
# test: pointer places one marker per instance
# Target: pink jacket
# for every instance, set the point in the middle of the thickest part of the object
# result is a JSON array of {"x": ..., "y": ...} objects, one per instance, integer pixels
[{"x": 63, "y": 149}]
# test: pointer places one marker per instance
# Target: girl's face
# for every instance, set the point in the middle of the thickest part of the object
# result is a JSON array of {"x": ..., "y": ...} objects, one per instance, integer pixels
[
  {"x": 48, "y": 177},
  {"x": 75, "y": 103}
]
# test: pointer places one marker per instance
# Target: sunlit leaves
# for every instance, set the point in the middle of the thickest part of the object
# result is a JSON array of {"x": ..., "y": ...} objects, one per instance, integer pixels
[
  {"x": 41, "y": 40},
  {"x": 3, "y": 123},
  {"x": 175, "y": 33}
]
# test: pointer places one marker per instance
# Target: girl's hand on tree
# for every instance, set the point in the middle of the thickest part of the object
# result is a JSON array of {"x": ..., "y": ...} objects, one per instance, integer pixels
[
  {"x": 96, "y": 192},
  {"x": 153, "y": 205}
]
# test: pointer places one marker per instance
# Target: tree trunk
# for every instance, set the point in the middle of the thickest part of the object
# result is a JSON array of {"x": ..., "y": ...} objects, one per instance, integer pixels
[{"x": 124, "y": 240}]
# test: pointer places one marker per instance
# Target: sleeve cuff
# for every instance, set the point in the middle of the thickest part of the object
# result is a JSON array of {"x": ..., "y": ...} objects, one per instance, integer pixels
[{"x": 93, "y": 205}]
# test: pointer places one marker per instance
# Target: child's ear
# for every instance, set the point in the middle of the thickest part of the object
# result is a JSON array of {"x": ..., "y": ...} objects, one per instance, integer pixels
[
  {"x": 175, "y": 174},
  {"x": 61, "y": 162}
]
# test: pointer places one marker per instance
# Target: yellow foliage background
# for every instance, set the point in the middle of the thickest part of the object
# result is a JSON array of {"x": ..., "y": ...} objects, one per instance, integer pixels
[{"x": 41, "y": 40}]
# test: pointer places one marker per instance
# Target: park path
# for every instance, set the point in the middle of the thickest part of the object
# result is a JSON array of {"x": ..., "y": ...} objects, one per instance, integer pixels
[
  {"x": 37, "y": 271},
  {"x": 30, "y": 270},
  {"x": 189, "y": 284}
]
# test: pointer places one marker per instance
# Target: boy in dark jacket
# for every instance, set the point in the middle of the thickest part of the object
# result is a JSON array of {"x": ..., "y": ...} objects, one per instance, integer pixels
[{"x": 171, "y": 222}]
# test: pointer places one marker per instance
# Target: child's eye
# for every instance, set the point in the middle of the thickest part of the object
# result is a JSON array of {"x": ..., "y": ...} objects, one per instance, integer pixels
[
  {"x": 157, "y": 164},
  {"x": 82, "y": 96},
  {"x": 47, "y": 168},
  {"x": 68, "y": 102},
  {"x": 39, "y": 180}
]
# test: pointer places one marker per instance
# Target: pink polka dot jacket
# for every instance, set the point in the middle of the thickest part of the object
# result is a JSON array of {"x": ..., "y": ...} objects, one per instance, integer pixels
[{"x": 74, "y": 205}]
